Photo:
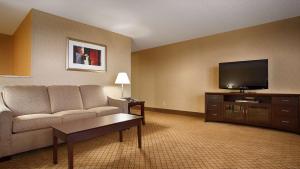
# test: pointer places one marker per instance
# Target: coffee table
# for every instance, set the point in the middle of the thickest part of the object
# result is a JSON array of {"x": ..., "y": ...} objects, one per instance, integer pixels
[{"x": 84, "y": 129}]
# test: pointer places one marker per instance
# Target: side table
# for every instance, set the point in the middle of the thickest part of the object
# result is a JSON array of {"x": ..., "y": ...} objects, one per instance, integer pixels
[{"x": 142, "y": 108}]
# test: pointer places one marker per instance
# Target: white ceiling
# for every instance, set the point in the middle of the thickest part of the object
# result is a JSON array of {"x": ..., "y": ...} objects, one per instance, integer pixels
[{"x": 153, "y": 23}]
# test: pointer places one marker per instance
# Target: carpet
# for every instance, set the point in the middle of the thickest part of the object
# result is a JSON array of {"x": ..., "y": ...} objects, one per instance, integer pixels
[{"x": 175, "y": 142}]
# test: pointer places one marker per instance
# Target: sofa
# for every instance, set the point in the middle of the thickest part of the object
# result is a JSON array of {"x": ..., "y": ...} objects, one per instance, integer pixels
[{"x": 26, "y": 113}]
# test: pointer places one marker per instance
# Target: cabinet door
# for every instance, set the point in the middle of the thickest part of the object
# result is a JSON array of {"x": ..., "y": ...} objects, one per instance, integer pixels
[
  {"x": 234, "y": 112},
  {"x": 258, "y": 114}
]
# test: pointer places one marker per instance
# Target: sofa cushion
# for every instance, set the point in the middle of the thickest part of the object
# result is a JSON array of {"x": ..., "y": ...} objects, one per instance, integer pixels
[
  {"x": 34, "y": 122},
  {"x": 65, "y": 98},
  {"x": 105, "y": 110},
  {"x": 24, "y": 100},
  {"x": 92, "y": 96},
  {"x": 71, "y": 115}
]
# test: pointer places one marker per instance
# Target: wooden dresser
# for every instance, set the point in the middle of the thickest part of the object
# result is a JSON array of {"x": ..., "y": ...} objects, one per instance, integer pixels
[{"x": 278, "y": 111}]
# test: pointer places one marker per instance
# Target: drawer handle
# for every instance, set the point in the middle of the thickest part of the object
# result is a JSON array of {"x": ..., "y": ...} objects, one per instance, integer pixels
[
  {"x": 284, "y": 110},
  {"x": 210, "y": 109},
  {"x": 285, "y": 121},
  {"x": 214, "y": 114},
  {"x": 213, "y": 105},
  {"x": 284, "y": 100}
]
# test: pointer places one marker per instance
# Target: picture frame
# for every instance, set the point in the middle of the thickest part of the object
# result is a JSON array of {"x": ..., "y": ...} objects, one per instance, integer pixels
[{"x": 86, "y": 56}]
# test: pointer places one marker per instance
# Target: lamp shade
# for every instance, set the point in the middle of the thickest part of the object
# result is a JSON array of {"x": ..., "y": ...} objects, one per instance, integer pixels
[{"x": 122, "y": 78}]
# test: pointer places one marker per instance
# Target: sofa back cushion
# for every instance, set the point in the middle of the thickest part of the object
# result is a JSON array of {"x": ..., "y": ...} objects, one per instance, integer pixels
[
  {"x": 24, "y": 100},
  {"x": 65, "y": 98},
  {"x": 92, "y": 96}
]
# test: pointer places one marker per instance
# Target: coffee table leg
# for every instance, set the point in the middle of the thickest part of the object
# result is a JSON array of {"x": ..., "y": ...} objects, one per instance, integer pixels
[
  {"x": 70, "y": 155},
  {"x": 54, "y": 149},
  {"x": 121, "y": 136},
  {"x": 139, "y": 132}
]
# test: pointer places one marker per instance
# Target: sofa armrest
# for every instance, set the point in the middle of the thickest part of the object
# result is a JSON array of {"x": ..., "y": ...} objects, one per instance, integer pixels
[
  {"x": 3, "y": 107},
  {"x": 6, "y": 118},
  {"x": 121, "y": 103}
]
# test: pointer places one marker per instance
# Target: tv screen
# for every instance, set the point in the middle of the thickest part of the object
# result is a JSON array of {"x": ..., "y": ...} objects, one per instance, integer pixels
[{"x": 244, "y": 75}]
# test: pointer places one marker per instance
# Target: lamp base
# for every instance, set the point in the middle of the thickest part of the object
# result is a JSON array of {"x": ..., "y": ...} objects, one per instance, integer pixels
[{"x": 122, "y": 91}]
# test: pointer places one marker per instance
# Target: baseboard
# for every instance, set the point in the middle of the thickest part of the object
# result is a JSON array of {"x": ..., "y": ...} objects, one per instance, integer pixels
[{"x": 180, "y": 112}]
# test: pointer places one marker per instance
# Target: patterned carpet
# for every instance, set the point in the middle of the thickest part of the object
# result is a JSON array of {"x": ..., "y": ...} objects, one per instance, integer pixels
[{"x": 173, "y": 142}]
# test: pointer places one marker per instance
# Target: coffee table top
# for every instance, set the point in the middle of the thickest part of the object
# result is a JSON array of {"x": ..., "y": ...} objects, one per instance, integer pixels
[{"x": 90, "y": 123}]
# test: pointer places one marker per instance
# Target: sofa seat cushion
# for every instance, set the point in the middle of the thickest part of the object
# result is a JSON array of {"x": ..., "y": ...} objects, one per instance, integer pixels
[
  {"x": 34, "y": 122},
  {"x": 70, "y": 115},
  {"x": 105, "y": 110}
]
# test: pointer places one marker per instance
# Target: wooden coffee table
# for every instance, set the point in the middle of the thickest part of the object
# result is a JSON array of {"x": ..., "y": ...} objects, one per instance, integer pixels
[{"x": 75, "y": 131}]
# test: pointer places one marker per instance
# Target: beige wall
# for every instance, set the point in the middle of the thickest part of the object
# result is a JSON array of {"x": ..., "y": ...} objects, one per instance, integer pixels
[
  {"x": 49, "y": 45},
  {"x": 6, "y": 54},
  {"x": 176, "y": 76}
]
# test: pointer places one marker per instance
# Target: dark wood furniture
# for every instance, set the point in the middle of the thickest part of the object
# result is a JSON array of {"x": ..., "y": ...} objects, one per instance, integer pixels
[
  {"x": 76, "y": 131},
  {"x": 137, "y": 103},
  {"x": 278, "y": 111}
]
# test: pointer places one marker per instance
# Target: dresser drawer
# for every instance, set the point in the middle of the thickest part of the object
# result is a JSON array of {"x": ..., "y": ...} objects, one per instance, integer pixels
[
  {"x": 285, "y": 101},
  {"x": 214, "y": 98},
  {"x": 213, "y": 106},
  {"x": 212, "y": 115},
  {"x": 285, "y": 111},
  {"x": 285, "y": 123}
]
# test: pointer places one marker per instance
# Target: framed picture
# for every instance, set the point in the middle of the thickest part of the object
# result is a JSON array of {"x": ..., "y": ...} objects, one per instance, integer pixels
[{"x": 85, "y": 56}]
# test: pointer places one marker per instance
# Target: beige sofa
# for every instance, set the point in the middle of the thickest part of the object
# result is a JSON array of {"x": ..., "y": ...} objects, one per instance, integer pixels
[{"x": 26, "y": 112}]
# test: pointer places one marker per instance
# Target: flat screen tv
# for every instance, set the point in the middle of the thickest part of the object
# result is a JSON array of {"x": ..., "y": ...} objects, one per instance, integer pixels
[{"x": 244, "y": 75}]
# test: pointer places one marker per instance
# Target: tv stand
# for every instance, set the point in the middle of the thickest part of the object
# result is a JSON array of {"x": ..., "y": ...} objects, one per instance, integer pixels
[{"x": 277, "y": 111}]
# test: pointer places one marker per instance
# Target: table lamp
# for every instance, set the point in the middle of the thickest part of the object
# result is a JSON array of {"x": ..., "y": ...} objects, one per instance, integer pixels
[{"x": 122, "y": 79}]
